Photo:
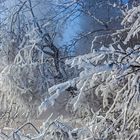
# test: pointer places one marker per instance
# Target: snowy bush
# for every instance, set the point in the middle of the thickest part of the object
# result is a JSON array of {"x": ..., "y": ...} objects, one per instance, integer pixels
[
  {"x": 26, "y": 73},
  {"x": 107, "y": 92},
  {"x": 101, "y": 102},
  {"x": 103, "y": 99}
]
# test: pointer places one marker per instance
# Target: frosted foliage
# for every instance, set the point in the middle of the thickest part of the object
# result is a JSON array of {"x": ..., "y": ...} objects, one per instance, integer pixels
[
  {"x": 24, "y": 79},
  {"x": 132, "y": 20},
  {"x": 111, "y": 76},
  {"x": 103, "y": 100}
]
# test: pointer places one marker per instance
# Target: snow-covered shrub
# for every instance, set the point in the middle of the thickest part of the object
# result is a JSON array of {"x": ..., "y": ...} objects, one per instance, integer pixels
[
  {"x": 100, "y": 103},
  {"x": 105, "y": 96},
  {"x": 106, "y": 92},
  {"x": 26, "y": 73},
  {"x": 103, "y": 100}
]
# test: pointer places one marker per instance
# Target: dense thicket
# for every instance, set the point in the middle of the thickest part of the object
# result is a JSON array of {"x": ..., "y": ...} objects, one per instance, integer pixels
[{"x": 95, "y": 96}]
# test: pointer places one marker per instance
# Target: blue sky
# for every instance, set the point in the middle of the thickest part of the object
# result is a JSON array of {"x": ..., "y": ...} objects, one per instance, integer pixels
[{"x": 125, "y": 1}]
